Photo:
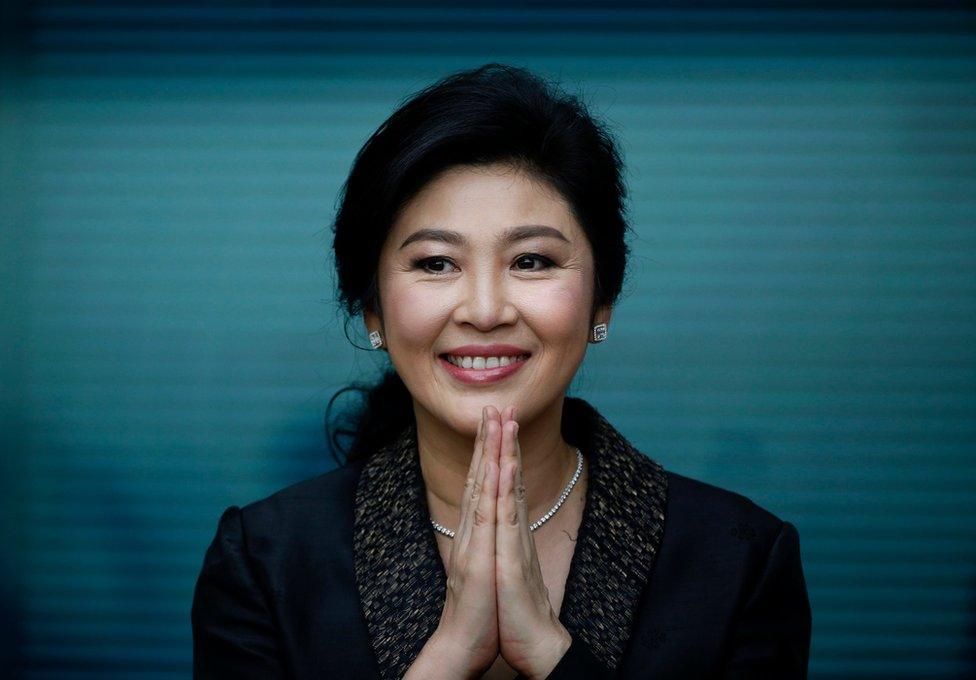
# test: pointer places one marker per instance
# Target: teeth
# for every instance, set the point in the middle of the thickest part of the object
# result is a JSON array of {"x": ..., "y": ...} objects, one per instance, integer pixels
[{"x": 481, "y": 363}]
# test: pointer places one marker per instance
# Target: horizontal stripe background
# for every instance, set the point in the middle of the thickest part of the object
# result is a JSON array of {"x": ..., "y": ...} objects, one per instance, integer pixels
[{"x": 797, "y": 326}]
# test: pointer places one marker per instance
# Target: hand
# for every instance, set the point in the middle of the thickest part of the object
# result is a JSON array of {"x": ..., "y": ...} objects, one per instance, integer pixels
[
  {"x": 466, "y": 639},
  {"x": 531, "y": 637}
]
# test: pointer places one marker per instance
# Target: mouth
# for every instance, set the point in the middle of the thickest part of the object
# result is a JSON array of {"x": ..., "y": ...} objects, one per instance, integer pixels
[{"x": 477, "y": 370}]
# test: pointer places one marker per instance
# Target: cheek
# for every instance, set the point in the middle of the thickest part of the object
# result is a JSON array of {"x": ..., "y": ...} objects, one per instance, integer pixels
[
  {"x": 557, "y": 311},
  {"x": 413, "y": 316}
]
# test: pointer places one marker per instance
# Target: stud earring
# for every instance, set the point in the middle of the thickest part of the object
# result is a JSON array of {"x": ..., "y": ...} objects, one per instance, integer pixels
[
  {"x": 375, "y": 339},
  {"x": 599, "y": 332}
]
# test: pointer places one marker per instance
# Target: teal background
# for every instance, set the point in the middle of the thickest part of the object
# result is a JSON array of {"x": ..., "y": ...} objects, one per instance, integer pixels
[{"x": 798, "y": 324}]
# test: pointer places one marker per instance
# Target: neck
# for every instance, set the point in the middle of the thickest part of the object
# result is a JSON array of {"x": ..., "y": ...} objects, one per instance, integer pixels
[{"x": 548, "y": 462}]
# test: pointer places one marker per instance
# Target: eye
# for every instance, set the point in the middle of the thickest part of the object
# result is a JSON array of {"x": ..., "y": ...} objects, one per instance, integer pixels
[
  {"x": 429, "y": 264},
  {"x": 423, "y": 263},
  {"x": 545, "y": 261}
]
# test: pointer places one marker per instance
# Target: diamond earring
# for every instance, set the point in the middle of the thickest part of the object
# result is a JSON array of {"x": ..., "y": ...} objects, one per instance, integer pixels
[
  {"x": 599, "y": 332},
  {"x": 375, "y": 339}
]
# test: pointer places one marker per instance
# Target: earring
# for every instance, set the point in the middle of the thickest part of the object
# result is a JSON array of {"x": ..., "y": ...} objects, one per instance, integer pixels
[
  {"x": 375, "y": 339},
  {"x": 599, "y": 332}
]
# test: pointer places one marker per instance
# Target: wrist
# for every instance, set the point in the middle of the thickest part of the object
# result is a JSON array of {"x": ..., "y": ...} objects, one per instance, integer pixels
[
  {"x": 550, "y": 653},
  {"x": 441, "y": 659}
]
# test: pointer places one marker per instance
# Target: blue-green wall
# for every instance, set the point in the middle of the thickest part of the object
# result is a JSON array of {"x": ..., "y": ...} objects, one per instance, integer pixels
[{"x": 798, "y": 325}]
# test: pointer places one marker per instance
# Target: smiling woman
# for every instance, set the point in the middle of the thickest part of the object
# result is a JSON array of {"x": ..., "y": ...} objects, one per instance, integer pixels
[
  {"x": 529, "y": 286},
  {"x": 485, "y": 524}
]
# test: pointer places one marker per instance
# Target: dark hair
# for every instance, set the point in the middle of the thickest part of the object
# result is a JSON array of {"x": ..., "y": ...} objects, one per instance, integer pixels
[{"x": 493, "y": 113}]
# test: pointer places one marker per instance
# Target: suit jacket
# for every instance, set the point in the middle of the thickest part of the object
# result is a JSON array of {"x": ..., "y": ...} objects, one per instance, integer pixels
[{"x": 339, "y": 576}]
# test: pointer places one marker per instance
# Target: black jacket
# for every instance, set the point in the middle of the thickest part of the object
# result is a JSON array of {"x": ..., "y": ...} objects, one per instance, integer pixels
[{"x": 339, "y": 576}]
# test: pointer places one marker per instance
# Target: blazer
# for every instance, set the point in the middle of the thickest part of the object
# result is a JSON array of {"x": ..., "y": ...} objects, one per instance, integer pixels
[{"x": 339, "y": 576}]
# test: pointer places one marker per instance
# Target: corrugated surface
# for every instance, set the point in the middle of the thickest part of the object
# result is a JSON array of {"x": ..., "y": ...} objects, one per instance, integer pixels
[{"x": 798, "y": 326}]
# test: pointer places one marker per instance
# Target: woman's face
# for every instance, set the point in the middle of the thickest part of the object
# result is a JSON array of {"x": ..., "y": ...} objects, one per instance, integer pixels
[{"x": 485, "y": 255}]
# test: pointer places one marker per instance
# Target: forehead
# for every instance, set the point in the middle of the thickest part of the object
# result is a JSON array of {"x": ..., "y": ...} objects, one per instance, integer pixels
[{"x": 482, "y": 201}]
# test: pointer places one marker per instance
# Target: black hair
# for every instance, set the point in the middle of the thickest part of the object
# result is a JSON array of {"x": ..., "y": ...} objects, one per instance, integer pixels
[{"x": 490, "y": 114}]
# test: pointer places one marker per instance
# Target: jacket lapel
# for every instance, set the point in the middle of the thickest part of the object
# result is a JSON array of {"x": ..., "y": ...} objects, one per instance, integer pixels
[
  {"x": 401, "y": 579},
  {"x": 399, "y": 573},
  {"x": 619, "y": 536}
]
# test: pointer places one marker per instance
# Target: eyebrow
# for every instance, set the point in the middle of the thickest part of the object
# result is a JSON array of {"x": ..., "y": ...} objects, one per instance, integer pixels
[{"x": 510, "y": 235}]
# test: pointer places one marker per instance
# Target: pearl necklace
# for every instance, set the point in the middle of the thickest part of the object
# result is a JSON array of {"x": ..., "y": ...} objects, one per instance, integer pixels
[{"x": 552, "y": 511}]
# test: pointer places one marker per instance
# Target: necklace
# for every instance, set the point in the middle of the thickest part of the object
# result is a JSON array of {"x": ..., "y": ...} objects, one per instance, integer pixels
[{"x": 552, "y": 511}]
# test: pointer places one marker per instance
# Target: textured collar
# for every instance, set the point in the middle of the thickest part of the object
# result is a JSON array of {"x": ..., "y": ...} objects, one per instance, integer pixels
[{"x": 401, "y": 577}]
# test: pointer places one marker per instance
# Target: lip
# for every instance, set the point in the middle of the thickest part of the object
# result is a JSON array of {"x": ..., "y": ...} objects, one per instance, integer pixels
[
  {"x": 493, "y": 350},
  {"x": 474, "y": 376}
]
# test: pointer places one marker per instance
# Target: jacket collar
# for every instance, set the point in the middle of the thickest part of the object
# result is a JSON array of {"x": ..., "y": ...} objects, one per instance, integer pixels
[{"x": 400, "y": 575}]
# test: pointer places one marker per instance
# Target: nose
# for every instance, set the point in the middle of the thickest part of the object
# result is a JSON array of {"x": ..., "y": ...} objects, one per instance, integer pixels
[{"x": 484, "y": 301}]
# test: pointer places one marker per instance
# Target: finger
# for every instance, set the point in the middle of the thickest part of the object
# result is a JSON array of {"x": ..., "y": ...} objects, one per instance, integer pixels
[
  {"x": 482, "y": 531},
  {"x": 531, "y": 567},
  {"x": 508, "y": 544},
  {"x": 474, "y": 469},
  {"x": 473, "y": 483},
  {"x": 463, "y": 533},
  {"x": 526, "y": 539}
]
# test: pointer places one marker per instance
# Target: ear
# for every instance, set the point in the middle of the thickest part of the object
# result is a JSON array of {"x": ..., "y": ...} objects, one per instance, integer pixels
[
  {"x": 372, "y": 320},
  {"x": 602, "y": 315}
]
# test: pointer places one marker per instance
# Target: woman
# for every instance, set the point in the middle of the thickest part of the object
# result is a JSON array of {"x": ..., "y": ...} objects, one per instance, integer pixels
[{"x": 485, "y": 524}]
